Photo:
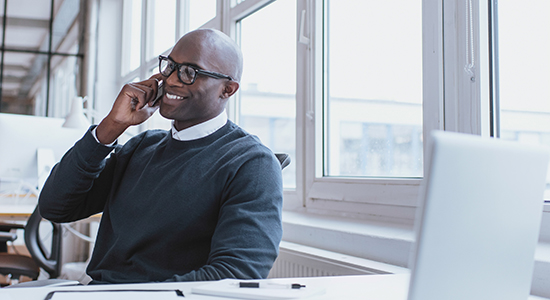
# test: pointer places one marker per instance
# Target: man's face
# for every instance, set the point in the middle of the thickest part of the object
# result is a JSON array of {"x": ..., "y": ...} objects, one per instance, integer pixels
[{"x": 189, "y": 105}]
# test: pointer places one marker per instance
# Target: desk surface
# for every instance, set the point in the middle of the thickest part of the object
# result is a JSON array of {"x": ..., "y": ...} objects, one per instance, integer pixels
[
  {"x": 380, "y": 287},
  {"x": 21, "y": 212},
  {"x": 16, "y": 212}
]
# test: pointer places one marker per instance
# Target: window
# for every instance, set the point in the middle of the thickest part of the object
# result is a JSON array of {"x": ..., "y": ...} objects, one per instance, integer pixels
[
  {"x": 267, "y": 106},
  {"x": 364, "y": 107},
  {"x": 41, "y": 56},
  {"x": 201, "y": 11},
  {"x": 162, "y": 16},
  {"x": 373, "y": 103},
  {"x": 131, "y": 32},
  {"x": 521, "y": 72},
  {"x": 351, "y": 89}
]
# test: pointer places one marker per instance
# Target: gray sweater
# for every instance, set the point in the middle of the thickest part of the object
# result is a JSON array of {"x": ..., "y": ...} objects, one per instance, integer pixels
[{"x": 173, "y": 210}]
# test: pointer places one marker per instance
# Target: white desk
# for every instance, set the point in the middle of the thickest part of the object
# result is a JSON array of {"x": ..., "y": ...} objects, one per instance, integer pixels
[
  {"x": 379, "y": 287},
  {"x": 21, "y": 212},
  {"x": 16, "y": 212}
]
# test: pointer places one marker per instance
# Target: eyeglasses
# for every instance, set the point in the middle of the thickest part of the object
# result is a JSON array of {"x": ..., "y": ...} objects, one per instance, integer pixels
[{"x": 186, "y": 73}]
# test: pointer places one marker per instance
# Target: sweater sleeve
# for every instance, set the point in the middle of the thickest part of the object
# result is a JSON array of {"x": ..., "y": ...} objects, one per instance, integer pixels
[
  {"x": 246, "y": 240},
  {"x": 79, "y": 184}
]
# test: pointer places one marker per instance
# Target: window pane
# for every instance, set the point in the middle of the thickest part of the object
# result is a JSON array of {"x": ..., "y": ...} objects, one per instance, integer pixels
[
  {"x": 28, "y": 28},
  {"x": 25, "y": 82},
  {"x": 200, "y": 12},
  {"x": 374, "y": 88},
  {"x": 268, "y": 86},
  {"x": 131, "y": 52},
  {"x": 66, "y": 29},
  {"x": 63, "y": 85},
  {"x": 524, "y": 78},
  {"x": 163, "y": 17},
  {"x": 23, "y": 89}
]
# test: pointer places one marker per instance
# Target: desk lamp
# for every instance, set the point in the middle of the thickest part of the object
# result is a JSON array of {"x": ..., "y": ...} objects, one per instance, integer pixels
[{"x": 76, "y": 117}]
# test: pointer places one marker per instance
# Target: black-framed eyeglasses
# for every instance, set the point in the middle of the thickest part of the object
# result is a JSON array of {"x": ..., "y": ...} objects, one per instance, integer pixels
[{"x": 187, "y": 74}]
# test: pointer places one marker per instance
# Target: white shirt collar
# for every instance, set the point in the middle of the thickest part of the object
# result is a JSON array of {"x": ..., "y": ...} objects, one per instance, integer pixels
[{"x": 200, "y": 130}]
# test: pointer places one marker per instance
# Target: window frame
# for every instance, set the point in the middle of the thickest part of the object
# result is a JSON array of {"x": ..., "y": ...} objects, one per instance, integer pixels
[{"x": 382, "y": 198}]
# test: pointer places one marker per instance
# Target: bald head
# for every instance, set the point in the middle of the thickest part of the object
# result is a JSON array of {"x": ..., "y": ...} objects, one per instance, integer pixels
[{"x": 217, "y": 51}]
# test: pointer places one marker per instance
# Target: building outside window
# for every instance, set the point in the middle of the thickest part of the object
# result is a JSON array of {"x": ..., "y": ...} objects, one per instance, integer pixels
[{"x": 373, "y": 78}]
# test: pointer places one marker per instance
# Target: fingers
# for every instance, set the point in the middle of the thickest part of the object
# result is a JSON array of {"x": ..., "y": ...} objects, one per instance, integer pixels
[
  {"x": 158, "y": 77},
  {"x": 154, "y": 83},
  {"x": 142, "y": 94},
  {"x": 148, "y": 110},
  {"x": 139, "y": 94},
  {"x": 149, "y": 88},
  {"x": 131, "y": 107},
  {"x": 134, "y": 103}
]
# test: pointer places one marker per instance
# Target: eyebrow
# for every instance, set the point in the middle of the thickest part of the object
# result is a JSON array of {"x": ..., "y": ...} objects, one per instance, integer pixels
[{"x": 187, "y": 64}]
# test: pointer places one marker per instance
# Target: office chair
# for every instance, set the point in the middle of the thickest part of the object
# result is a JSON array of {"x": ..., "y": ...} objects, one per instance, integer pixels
[
  {"x": 284, "y": 159},
  {"x": 7, "y": 236},
  {"x": 15, "y": 265},
  {"x": 50, "y": 261}
]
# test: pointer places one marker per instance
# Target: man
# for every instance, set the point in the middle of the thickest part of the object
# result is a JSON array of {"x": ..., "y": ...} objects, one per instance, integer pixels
[{"x": 200, "y": 202}]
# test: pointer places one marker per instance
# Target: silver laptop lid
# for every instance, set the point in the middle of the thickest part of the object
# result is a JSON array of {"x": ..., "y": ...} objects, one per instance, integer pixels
[{"x": 479, "y": 219}]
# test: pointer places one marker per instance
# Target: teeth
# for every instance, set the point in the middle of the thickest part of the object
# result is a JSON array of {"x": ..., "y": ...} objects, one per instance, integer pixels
[{"x": 174, "y": 97}]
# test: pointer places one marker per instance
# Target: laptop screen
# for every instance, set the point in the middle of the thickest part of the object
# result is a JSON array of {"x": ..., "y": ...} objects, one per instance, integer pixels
[{"x": 478, "y": 219}]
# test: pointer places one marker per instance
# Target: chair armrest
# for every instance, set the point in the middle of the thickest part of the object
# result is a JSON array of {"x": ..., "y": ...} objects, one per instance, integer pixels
[
  {"x": 9, "y": 226},
  {"x": 50, "y": 261},
  {"x": 7, "y": 237}
]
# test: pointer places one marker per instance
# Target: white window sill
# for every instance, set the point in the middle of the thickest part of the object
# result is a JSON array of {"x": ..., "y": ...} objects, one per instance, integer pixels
[
  {"x": 374, "y": 240},
  {"x": 385, "y": 242}
]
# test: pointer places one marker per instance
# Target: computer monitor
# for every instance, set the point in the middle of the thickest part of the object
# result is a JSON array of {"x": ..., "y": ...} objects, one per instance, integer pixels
[
  {"x": 479, "y": 219},
  {"x": 20, "y": 138}
]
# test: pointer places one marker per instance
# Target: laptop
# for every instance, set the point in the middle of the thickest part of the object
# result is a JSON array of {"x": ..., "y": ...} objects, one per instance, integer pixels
[{"x": 479, "y": 219}]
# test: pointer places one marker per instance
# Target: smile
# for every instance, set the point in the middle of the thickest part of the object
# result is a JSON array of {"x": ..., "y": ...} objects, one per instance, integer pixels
[{"x": 173, "y": 97}]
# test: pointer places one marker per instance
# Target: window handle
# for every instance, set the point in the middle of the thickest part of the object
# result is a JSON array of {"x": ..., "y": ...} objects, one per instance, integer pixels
[
  {"x": 469, "y": 68},
  {"x": 303, "y": 39}
]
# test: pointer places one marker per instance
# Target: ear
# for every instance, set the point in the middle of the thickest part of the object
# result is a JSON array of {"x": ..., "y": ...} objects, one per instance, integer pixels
[{"x": 229, "y": 89}]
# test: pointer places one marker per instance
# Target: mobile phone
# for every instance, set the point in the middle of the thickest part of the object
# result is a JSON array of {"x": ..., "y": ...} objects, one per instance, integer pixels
[{"x": 160, "y": 93}]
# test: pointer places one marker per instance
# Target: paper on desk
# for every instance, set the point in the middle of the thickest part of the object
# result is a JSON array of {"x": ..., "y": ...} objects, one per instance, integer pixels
[{"x": 115, "y": 294}]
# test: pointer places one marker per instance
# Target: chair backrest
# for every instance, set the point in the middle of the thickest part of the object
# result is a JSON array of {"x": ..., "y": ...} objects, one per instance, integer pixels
[
  {"x": 49, "y": 260},
  {"x": 284, "y": 159}
]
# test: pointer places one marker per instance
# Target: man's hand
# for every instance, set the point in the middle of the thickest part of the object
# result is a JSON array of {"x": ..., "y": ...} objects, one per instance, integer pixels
[{"x": 132, "y": 106}]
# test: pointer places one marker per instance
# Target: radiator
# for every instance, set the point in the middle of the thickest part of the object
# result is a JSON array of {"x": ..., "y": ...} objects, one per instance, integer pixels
[{"x": 296, "y": 260}]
